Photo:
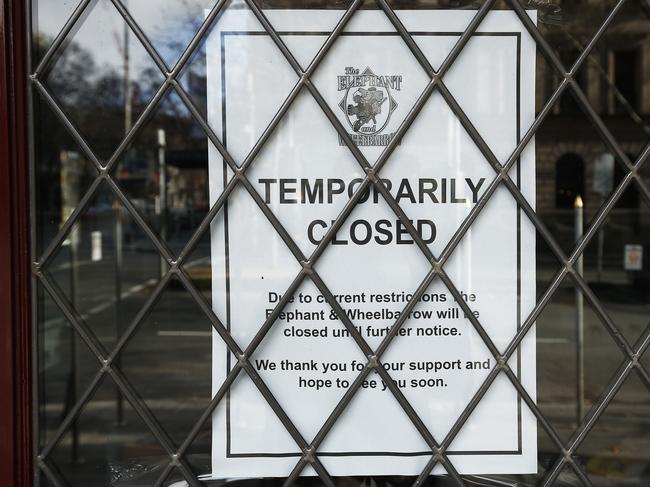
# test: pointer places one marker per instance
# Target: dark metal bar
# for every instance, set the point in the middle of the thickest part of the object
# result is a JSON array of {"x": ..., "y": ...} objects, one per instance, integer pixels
[
  {"x": 406, "y": 124},
  {"x": 207, "y": 414},
  {"x": 125, "y": 388}
]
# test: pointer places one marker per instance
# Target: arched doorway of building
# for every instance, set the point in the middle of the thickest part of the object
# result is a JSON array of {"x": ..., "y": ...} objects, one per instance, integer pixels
[{"x": 569, "y": 180}]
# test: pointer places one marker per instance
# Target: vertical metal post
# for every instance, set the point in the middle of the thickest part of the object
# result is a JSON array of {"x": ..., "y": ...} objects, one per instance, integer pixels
[
  {"x": 162, "y": 188},
  {"x": 580, "y": 317},
  {"x": 73, "y": 382},
  {"x": 118, "y": 231},
  {"x": 70, "y": 181},
  {"x": 117, "y": 244}
]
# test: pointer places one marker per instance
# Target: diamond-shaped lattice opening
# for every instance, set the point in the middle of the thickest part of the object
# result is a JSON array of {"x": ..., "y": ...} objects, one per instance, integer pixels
[
  {"x": 375, "y": 433},
  {"x": 169, "y": 25},
  {"x": 428, "y": 172},
  {"x": 547, "y": 450},
  {"x": 109, "y": 453},
  {"x": 614, "y": 264},
  {"x": 568, "y": 26},
  {"x": 500, "y": 397},
  {"x": 644, "y": 171},
  {"x": 370, "y": 134},
  {"x": 645, "y": 360},
  {"x": 51, "y": 475},
  {"x": 294, "y": 362},
  {"x": 498, "y": 98},
  {"x": 495, "y": 264},
  {"x": 616, "y": 450},
  {"x": 176, "y": 478},
  {"x": 494, "y": 54},
  {"x": 361, "y": 248},
  {"x": 47, "y": 20},
  {"x": 65, "y": 366},
  {"x": 439, "y": 362},
  {"x": 615, "y": 73},
  {"x": 248, "y": 411},
  {"x": 164, "y": 172},
  {"x": 502, "y": 256},
  {"x": 558, "y": 350},
  {"x": 198, "y": 265},
  {"x": 91, "y": 74},
  {"x": 294, "y": 30},
  {"x": 43, "y": 480},
  {"x": 568, "y": 159},
  {"x": 107, "y": 267},
  {"x": 237, "y": 40},
  {"x": 547, "y": 268},
  {"x": 568, "y": 478},
  {"x": 198, "y": 454},
  {"x": 63, "y": 175},
  {"x": 434, "y": 17},
  {"x": 168, "y": 360},
  {"x": 302, "y": 186},
  {"x": 227, "y": 262}
]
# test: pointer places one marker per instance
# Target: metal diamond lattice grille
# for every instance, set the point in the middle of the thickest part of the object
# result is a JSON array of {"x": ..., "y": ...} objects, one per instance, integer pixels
[{"x": 310, "y": 446}]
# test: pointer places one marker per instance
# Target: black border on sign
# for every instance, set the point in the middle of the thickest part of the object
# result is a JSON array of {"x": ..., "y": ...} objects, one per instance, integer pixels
[{"x": 229, "y": 454}]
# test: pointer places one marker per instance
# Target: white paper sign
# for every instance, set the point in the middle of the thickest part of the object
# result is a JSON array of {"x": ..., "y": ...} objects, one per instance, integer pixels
[{"x": 306, "y": 175}]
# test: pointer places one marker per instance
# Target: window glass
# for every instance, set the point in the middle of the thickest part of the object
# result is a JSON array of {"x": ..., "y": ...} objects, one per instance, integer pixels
[{"x": 154, "y": 120}]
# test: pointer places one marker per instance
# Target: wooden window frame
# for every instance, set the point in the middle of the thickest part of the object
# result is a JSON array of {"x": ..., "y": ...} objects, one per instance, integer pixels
[{"x": 16, "y": 468}]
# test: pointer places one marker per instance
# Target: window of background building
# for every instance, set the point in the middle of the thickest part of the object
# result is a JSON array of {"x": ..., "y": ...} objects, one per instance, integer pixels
[
  {"x": 627, "y": 80},
  {"x": 569, "y": 180}
]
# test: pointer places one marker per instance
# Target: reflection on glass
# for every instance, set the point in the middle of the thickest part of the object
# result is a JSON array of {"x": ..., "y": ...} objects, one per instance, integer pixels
[{"x": 107, "y": 267}]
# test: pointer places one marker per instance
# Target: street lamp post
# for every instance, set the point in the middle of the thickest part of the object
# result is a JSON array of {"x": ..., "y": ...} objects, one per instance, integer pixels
[{"x": 580, "y": 317}]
